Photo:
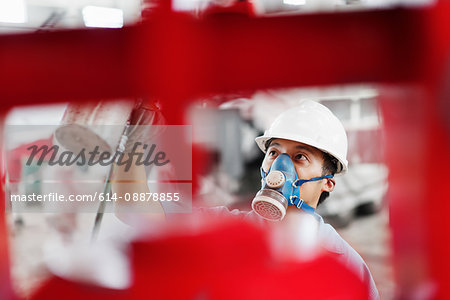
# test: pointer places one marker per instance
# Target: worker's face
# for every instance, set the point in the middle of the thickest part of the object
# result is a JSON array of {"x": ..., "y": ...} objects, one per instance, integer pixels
[{"x": 308, "y": 162}]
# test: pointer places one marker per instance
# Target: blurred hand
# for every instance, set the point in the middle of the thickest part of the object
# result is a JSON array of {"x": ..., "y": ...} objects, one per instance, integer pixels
[
  {"x": 143, "y": 128},
  {"x": 142, "y": 117}
]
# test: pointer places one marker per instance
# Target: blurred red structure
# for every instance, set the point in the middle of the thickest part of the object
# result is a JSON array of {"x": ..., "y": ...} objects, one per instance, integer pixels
[
  {"x": 175, "y": 57},
  {"x": 227, "y": 260},
  {"x": 6, "y": 291}
]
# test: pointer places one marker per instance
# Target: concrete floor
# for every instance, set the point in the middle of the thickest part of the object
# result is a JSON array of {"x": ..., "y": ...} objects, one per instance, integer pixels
[{"x": 370, "y": 237}]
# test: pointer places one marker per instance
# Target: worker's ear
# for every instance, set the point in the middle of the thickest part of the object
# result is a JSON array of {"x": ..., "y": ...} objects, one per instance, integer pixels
[{"x": 328, "y": 185}]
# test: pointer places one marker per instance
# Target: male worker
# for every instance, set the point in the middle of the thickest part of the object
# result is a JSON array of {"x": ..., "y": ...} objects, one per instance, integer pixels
[
  {"x": 309, "y": 145},
  {"x": 304, "y": 148}
]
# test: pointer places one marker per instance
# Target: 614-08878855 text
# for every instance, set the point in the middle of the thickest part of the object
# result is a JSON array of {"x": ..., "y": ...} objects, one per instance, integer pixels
[{"x": 108, "y": 197}]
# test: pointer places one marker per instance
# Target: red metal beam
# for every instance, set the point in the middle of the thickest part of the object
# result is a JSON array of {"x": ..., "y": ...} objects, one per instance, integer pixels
[{"x": 178, "y": 56}]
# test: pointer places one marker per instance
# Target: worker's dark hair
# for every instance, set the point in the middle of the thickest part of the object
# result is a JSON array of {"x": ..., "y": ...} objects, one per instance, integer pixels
[
  {"x": 267, "y": 144},
  {"x": 329, "y": 166}
]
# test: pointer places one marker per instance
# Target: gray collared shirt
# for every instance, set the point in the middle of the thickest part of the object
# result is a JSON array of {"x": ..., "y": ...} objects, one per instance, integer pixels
[{"x": 329, "y": 239}]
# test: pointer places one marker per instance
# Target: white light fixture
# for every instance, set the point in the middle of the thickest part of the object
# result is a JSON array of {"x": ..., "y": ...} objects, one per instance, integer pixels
[
  {"x": 105, "y": 17},
  {"x": 13, "y": 11},
  {"x": 186, "y": 5},
  {"x": 294, "y": 2}
]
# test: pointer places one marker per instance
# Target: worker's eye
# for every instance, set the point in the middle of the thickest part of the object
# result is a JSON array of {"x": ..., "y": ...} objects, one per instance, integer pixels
[
  {"x": 273, "y": 153},
  {"x": 300, "y": 157}
]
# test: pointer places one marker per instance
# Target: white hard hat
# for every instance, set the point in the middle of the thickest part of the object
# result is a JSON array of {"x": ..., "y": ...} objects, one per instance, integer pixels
[{"x": 313, "y": 124}]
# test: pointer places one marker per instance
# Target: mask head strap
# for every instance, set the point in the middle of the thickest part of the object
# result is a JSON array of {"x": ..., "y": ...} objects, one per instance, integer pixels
[
  {"x": 263, "y": 174},
  {"x": 299, "y": 182}
]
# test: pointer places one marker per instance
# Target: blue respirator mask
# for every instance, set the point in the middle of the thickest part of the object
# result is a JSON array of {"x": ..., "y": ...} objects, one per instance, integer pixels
[{"x": 280, "y": 189}]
